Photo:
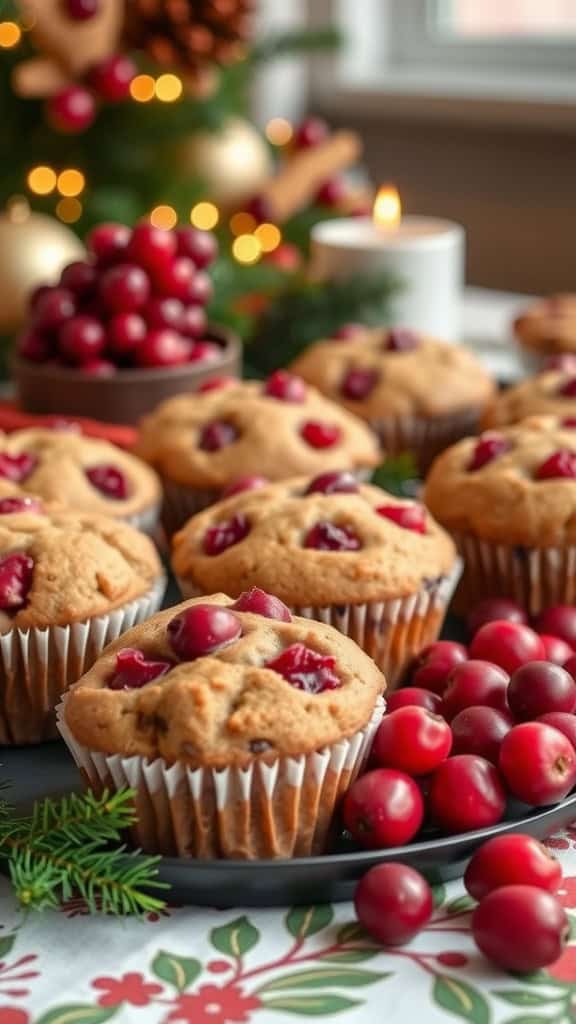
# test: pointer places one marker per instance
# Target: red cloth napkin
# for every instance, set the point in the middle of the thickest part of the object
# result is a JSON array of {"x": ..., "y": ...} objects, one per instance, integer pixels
[{"x": 12, "y": 418}]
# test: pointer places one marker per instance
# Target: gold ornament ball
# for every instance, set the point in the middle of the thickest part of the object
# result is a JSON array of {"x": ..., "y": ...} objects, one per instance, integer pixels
[
  {"x": 234, "y": 163},
  {"x": 34, "y": 248}
]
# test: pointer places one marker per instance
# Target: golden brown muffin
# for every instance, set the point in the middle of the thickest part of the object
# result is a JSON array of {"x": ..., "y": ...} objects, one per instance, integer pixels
[
  {"x": 552, "y": 393},
  {"x": 548, "y": 326}
]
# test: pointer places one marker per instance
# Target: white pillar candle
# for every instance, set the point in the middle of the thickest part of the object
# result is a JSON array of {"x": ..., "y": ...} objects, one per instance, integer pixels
[{"x": 426, "y": 254}]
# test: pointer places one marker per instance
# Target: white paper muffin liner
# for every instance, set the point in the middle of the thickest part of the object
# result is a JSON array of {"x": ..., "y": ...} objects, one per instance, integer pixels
[
  {"x": 425, "y": 436},
  {"x": 38, "y": 665},
  {"x": 534, "y": 577},
  {"x": 278, "y": 808},
  {"x": 146, "y": 521},
  {"x": 392, "y": 632}
]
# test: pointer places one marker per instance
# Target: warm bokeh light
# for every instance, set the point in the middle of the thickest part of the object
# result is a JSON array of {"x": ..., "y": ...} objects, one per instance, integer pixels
[
  {"x": 41, "y": 180},
  {"x": 279, "y": 131},
  {"x": 70, "y": 182},
  {"x": 269, "y": 236},
  {"x": 10, "y": 34},
  {"x": 242, "y": 223},
  {"x": 142, "y": 88},
  {"x": 204, "y": 216},
  {"x": 387, "y": 211},
  {"x": 69, "y": 210},
  {"x": 246, "y": 249},
  {"x": 168, "y": 88},
  {"x": 164, "y": 216}
]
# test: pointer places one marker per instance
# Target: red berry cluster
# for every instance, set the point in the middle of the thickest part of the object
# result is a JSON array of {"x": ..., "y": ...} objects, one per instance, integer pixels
[
  {"x": 560, "y": 464},
  {"x": 74, "y": 108},
  {"x": 138, "y": 300}
]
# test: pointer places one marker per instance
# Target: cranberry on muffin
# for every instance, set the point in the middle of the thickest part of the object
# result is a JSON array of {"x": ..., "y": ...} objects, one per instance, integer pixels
[
  {"x": 547, "y": 327},
  {"x": 552, "y": 393}
]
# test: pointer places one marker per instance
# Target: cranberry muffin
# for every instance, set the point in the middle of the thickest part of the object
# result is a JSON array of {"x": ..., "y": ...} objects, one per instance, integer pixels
[
  {"x": 509, "y": 499},
  {"x": 377, "y": 568},
  {"x": 203, "y": 443},
  {"x": 552, "y": 393},
  {"x": 69, "y": 584},
  {"x": 238, "y": 725},
  {"x": 81, "y": 473},
  {"x": 546, "y": 328},
  {"x": 419, "y": 394}
]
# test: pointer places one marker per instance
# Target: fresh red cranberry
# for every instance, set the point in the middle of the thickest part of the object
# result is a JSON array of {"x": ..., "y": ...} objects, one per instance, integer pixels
[
  {"x": 563, "y": 721},
  {"x": 432, "y": 667},
  {"x": 494, "y": 609},
  {"x": 260, "y": 208},
  {"x": 466, "y": 794},
  {"x": 311, "y": 132},
  {"x": 383, "y": 808},
  {"x": 215, "y": 384},
  {"x": 204, "y": 351},
  {"x": 409, "y": 517},
  {"x": 175, "y": 278},
  {"x": 320, "y": 435},
  {"x": 564, "y": 361},
  {"x": 569, "y": 422},
  {"x": 326, "y": 536},
  {"x": 200, "y": 290},
  {"x": 199, "y": 246},
  {"x": 81, "y": 10},
  {"x": 151, "y": 247},
  {"x": 99, "y": 368},
  {"x": 347, "y": 331},
  {"x": 520, "y": 928},
  {"x": 82, "y": 339},
  {"x": 306, "y": 669},
  {"x": 538, "y": 763},
  {"x": 111, "y": 77},
  {"x": 17, "y": 468},
  {"x": 560, "y": 620},
  {"x": 223, "y": 535},
  {"x": 285, "y": 386},
  {"x": 133, "y": 670},
  {"x": 35, "y": 347},
  {"x": 412, "y": 740},
  {"x": 108, "y": 243},
  {"x": 11, "y": 506},
  {"x": 474, "y": 683},
  {"x": 507, "y": 644},
  {"x": 124, "y": 288},
  {"x": 332, "y": 192},
  {"x": 217, "y": 435},
  {"x": 126, "y": 332},
  {"x": 260, "y": 603},
  {"x": 539, "y": 687},
  {"x": 335, "y": 482},
  {"x": 568, "y": 388},
  {"x": 163, "y": 312},
  {"x": 193, "y": 322},
  {"x": 511, "y": 860},
  {"x": 400, "y": 339},
  {"x": 163, "y": 347},
  {"x": 359, "y": 383},
  {"x": 488, "y": 447},
  {"x": 560, "y": 465},
  {"x": 71, "y": 110},
  {"x": 413, "y": 696},
  {"x": 109, "y": 480},
  {"x": 16, "y": 573},
  {"x": 480, "y": 730},
  {"x": 555, "y": 649},
  {"x": 393, "y": 902},
  {"x": 53, "y": 309},
  {"x": 202, "y": 629},
  {"x": 80, "y": 278},
  {"x": 245, "y": 483},
  {"x": 36, "y": 294}
]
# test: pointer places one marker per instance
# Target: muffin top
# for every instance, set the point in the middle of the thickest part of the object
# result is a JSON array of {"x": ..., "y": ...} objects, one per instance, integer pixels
[
  {"x": 395, "y": 372},
  {"x": 276, "y": 428},
  {"x": 324, "y": 541},
  {"x": 76, "y": 471},
  {"x": 512, "y": 486},
  {"x": 552, "y": 393},
  {"x": 59, "y": 567},
  {"x": 206, "y": 685},
  {"x": 548, "y": 325}
]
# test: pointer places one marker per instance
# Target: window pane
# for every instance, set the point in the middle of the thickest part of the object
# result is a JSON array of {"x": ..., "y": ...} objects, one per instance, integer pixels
[{"x": 478, "y": 19}]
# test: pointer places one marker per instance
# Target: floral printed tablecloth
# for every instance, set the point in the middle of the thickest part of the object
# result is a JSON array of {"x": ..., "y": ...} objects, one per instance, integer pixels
[{"x": 239, "y": 966}]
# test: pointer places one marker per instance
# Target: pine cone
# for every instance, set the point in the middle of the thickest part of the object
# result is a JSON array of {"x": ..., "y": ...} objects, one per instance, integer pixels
[{"x": 189, "y": 35}]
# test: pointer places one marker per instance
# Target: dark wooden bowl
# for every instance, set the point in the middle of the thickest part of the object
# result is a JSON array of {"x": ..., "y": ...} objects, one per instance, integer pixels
[{"x": 123, "y": 397}]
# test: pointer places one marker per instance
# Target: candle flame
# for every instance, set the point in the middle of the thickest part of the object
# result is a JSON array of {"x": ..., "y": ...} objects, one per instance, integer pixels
[{"x": 387, "y": 211}]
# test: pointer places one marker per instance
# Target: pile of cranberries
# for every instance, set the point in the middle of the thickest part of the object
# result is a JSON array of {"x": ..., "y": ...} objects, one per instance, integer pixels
[{"x": 138, "y": 300}]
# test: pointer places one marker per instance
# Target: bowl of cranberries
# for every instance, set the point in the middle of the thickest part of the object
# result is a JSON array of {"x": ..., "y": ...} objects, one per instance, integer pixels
[{"x": 125, "y": 328}]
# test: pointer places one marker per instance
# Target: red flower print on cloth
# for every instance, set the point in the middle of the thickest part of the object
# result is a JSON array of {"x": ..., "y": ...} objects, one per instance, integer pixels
[
  {"x": 564, "y": 840},
  {"x": 213, "y": 1005},
  {"x": 12, "y": 1015},
  {"x": 130, "y": 988},
  {"x": 567, "y": 892},
  {"x": 565, "y": 967}
]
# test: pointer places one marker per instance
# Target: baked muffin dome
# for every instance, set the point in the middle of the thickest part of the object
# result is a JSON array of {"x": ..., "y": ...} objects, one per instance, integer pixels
[
  {"x": 79, "y": 472},
  {"x": 548, "y": 326},
  {"x": 552, "y": 393}
]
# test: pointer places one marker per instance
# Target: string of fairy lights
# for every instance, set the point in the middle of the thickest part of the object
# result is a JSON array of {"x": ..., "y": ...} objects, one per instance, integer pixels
[{"x": 251, "y": 240}]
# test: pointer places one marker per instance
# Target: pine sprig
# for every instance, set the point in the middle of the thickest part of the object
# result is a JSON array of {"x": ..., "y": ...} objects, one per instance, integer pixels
[{"x": 65, "y": 847}]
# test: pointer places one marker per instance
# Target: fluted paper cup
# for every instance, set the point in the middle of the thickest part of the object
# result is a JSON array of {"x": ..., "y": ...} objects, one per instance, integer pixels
[
  {"x": 147, "y": 521},
  {"x": 281, "y": 807},
  {"x": 425, "y": 436},
  {"x": 38, "y": 665}
]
